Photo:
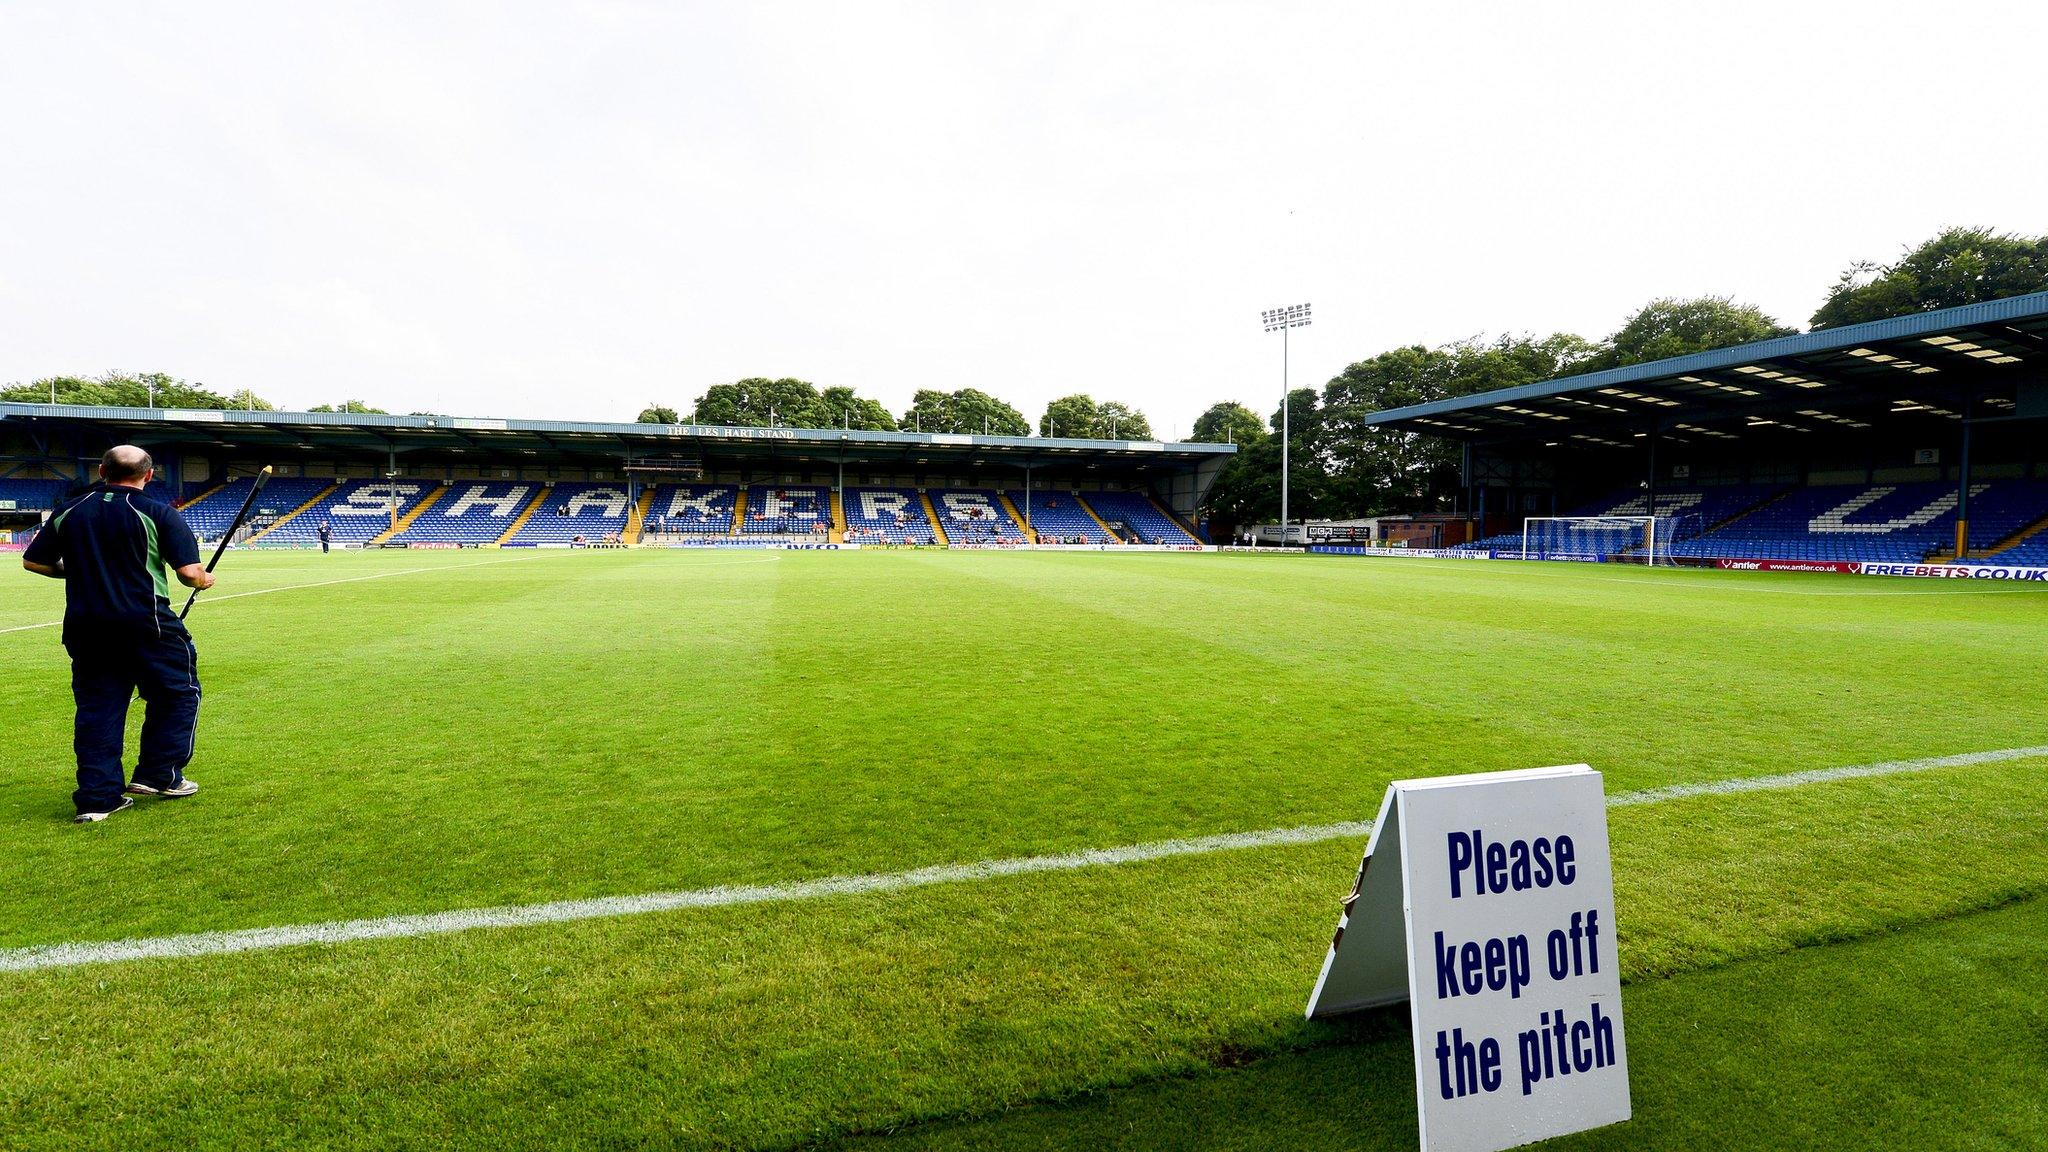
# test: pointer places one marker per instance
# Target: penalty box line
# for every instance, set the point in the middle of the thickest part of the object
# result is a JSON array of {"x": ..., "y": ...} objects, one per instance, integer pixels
[{"x": 45, "y": 956}]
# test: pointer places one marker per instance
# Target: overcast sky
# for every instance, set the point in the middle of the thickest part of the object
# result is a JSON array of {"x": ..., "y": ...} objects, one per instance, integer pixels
[{"x": 576, "y": 210}]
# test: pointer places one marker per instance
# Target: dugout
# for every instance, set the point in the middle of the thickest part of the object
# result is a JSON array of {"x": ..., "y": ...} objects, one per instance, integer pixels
[{"x": 1958, "y": 395}]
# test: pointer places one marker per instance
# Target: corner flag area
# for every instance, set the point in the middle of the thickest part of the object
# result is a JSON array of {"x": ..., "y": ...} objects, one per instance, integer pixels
[{"x": 949, "y": 849}]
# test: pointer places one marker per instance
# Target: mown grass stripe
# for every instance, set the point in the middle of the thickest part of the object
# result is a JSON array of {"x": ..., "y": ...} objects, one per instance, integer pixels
[
  {"x": 310, "y": 584},
  {"x": 45, "y": 956}
]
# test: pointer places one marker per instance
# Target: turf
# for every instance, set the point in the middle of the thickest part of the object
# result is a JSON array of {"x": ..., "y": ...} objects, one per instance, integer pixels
[{"x": 440, "y": 731}]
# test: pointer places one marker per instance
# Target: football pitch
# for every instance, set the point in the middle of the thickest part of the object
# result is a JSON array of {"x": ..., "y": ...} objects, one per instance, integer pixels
[{"x": 660, "y": 849}]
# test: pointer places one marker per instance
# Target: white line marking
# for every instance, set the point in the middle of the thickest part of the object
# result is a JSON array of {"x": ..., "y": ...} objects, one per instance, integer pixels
[
  {"x": 1817, "y": 776},
  {"x": 43, "y": 956},
  {"x": 311, "y": 584}
]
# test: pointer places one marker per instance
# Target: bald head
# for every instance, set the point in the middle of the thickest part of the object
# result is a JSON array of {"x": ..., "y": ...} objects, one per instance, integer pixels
[{"x": 126, "y": 464}]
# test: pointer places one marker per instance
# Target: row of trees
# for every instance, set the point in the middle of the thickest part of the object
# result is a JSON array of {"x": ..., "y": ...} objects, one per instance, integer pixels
[
  {"x": 790, "y": 403},
  {"x": 1340, "y": 467},
  {"x": 130, "y": 390},
  {"x": 150, "y": 389}
]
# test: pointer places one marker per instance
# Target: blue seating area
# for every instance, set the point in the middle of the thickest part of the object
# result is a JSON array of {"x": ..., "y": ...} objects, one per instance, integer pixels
[
  {"x": 590, "y": 510},
  {"x": 212, "y": 512},
  {"x": 1693, "y": 511},
  {"x": 1137, "y": 510},
  {"x": 358, "y": 510},
  {"x": 1870, "y": 522},
  {"x": 1058, "y": 517},
  {"x": 471, "y": 512},
  {"x": 691, "y": 510},
  {"x": 975, "y": 516},
  {"x": 787, "y": 510},
  {"x": 886, "y": 516},
  {"x": 33, "y": 495},
  {"x": 2031, "y": 552}
]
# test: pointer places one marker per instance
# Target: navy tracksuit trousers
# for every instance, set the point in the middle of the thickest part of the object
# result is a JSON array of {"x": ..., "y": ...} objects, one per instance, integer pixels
[{"x": 105, "y": 672}]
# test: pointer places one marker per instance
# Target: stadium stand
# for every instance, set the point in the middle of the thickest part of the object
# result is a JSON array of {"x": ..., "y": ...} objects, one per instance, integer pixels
[
  {"x": 358, "y": 510},
  {"x": 1695, "y": 511},
  {"x": 1870, "y": 522},
  {"x": 692, "y": 510},
  {"x": 785, "y": 510},
  {"x": 470, "y": 512},
  {"x": 590, "y": 510},
  {"x": 2030, "y": 552},
  {"x": 32, "y": 495},
  {"x": 886, "y": 516},
  {"x": 1060, "y": 517},
  {"x": 213, "y": 510},
  {"x": 1137, "y": 511},
  {"x": 975, "y": 516}
]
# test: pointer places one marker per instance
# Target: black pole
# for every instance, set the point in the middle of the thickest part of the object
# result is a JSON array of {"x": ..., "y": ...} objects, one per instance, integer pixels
[
  {"x": 1963, "y": 488},
  {"x": 262, "y": 478}
]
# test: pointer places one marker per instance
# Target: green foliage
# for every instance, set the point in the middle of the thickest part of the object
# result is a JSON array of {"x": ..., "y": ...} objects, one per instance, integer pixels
[
  {"x": 1069, "y": 418},
  {"x": 758, "y": 402},
  {"x": 658, "y": 414},
  {"x": 1958, "y": 266},
  {"x": 1118, "y": 421},
  {"x": 1672, "y": 327},
  {"x": 843, "y": 409},
  {"x": 130, "y": 390},
  {"x": 1228, "y": 423},
  {"x": 968, "y": 412},
  {"x": 1079, "y": 417},
  {"x": 356, "y": 406}
]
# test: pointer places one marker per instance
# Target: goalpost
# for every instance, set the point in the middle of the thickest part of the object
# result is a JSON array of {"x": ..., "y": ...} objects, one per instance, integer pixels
[{"x": 1614, "y": 539}]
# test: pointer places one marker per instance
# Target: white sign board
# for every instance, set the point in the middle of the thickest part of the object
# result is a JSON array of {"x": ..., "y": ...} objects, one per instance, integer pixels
[{"x": 1487, "y": 902}]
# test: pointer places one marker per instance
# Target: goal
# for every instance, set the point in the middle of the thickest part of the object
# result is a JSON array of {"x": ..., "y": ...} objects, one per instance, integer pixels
[{"x": 1614, "y": 539}]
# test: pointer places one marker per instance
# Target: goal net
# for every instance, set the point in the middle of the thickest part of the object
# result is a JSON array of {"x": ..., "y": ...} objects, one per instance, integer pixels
[{"x": 1614, "y": 539}]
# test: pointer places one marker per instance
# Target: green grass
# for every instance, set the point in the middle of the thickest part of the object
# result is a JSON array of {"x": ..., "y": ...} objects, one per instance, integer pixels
[{"x": 483, "y": 728}]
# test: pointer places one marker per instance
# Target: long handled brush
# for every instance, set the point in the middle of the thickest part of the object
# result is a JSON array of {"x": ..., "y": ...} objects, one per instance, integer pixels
[{"x": 262, "y": 478}]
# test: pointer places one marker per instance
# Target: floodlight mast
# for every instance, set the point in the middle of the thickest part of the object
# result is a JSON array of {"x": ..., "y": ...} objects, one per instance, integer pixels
[{"x": 1280, "y": 320}]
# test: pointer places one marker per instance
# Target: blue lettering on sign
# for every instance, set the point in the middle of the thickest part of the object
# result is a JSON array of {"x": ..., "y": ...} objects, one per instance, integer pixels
[
  {"x": 1516, "y": 866},
  {"x": 1482, "y": 966}
]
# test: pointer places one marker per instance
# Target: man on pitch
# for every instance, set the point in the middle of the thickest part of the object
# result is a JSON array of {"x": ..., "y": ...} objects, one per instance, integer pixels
[{"x": 110, "y": 546}]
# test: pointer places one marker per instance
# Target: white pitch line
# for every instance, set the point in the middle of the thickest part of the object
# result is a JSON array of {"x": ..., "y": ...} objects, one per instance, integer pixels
[
  {"x": 45, "y": 956},
  {"x": 1817, "y": 776},
  {"x": 310, "y": 584}
]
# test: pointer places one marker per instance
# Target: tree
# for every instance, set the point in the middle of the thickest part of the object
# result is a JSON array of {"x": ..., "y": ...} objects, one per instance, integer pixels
[
  {"x": 976, "y": 413},
  {"x": 1115, "y": 421},
  {"x": 128, "y": 390},
  {"x": 1241, "y": 489},
  {"x": 1671, "y": 327},
  {"x": 843, "y": 409},
  {"x": 968, "y": 411},
  {"x": 658, "y": 414},
  {"x": 1307, "y": 456},
  {"x": 758, "y": 402},
  {"x": 1957, "y": 266},
  {"x": 350, "y": 406},
  {"x": 1374, "y": 469},
  {"x": 1228, "y": 423},
  {"x": 249, "y": 401},
  {"x": 1069, "y": 418}
]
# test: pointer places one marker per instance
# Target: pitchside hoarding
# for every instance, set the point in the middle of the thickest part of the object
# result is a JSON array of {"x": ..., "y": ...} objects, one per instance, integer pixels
[
  {"x": 1958, "y": 571},
  {"x": 1487, "y": 902}
]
